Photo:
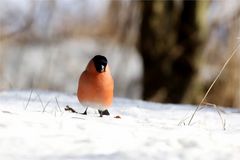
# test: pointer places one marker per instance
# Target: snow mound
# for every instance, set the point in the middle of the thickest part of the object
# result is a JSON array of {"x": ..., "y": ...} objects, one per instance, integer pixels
[{"x": 34, "y": 125}]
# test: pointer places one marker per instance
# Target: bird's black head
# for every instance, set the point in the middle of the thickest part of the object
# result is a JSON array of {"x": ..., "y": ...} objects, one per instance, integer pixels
[{"x": 100, "y": 63}]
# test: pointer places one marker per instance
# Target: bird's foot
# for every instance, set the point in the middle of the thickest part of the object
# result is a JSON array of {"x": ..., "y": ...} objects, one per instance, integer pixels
[
  {"x": 85, "y": 112},
  {"x": 103, "y": 112}
]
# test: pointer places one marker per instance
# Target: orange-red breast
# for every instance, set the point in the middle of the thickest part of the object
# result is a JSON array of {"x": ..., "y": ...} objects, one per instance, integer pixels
[{"x": 95, "y": 86}]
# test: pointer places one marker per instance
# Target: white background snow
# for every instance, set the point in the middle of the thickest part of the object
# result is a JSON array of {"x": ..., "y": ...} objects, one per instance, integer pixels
[{"x": 145, "y": 131}]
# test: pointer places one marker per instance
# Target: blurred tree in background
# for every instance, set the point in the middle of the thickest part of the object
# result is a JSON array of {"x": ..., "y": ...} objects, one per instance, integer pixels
[
  {"x": 164, "y": 51},
  {"x": 168, "y": 42}
]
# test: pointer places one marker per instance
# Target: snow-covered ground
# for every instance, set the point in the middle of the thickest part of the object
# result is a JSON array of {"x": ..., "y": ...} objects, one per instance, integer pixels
[{"x": 41, "y": 129}]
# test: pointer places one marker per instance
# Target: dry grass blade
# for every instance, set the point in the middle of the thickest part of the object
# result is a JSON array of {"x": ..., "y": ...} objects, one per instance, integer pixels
[
  {"x": 182, "y": 122},
  {"x": 219, "y": 111},
  {"x": 29, "y": 98},
  {"x": 209, "y": 89},
  {"x": 48, "y": 102},
  {"x": 58, "y": 104},
  {"x": 40, "y": 100},
  {"x": 222, "y": 119}
]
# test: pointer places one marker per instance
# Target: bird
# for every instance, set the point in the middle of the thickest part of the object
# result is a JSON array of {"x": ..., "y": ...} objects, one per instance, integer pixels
[{"x": 96, "y": 86}]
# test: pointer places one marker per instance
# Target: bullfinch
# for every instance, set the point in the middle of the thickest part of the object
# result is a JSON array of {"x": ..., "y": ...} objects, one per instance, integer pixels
[{"x": 95, "y": 86}]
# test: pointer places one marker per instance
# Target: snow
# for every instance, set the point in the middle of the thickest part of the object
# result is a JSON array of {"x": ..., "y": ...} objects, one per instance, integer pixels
[{"x": 40, "y": 129}]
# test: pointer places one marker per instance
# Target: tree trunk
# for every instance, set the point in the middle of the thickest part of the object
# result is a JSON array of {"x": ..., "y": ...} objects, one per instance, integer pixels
[{"x": 168, "y": 43}]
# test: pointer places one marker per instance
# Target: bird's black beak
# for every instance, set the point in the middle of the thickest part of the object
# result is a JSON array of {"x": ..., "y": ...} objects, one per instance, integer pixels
[{"x": 101, "y": 68}]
